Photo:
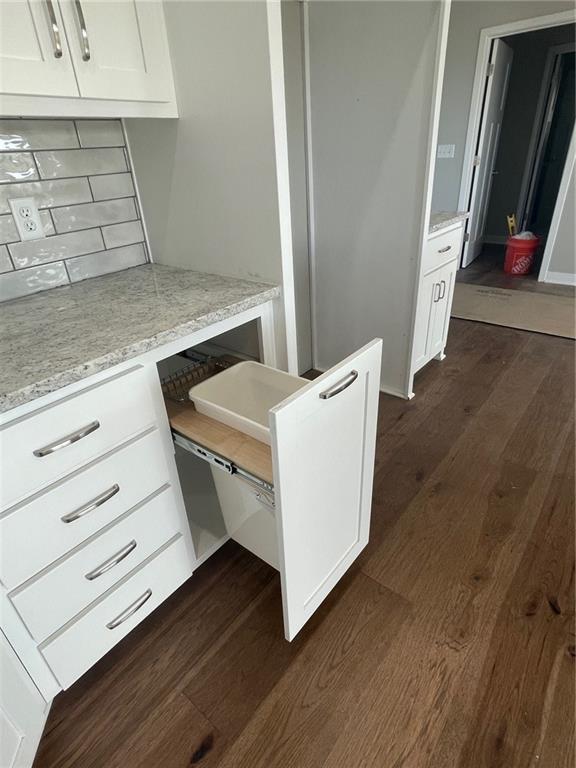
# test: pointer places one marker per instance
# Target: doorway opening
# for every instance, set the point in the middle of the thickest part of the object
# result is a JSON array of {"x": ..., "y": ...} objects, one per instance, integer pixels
[{"x": 526, "y": 122}]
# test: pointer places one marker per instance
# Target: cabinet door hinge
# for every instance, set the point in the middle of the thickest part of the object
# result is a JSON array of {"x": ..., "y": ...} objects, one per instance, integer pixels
[
  {"x": 490, "y": 69},
  {"x": 476, "y": 161},
  {"x": 466, "y": 236}
]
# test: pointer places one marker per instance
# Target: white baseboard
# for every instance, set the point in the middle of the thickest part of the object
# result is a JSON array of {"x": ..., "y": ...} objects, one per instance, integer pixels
[{"x": 560, "y": 278}]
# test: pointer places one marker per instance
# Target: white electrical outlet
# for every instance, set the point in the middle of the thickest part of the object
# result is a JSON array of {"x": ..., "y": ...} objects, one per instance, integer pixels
[
  {"x": 446, "y": 150},
  {"x": 27, "y": 218}
]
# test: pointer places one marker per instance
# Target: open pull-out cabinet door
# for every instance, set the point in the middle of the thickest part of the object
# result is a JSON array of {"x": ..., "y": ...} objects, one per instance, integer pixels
[{"x": 323, "y": 443}]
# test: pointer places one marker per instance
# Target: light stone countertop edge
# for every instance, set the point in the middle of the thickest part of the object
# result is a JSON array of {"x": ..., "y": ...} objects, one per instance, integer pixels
[
  {"x": 30, "y": 392},
  {"x": 442, "y": 219}
]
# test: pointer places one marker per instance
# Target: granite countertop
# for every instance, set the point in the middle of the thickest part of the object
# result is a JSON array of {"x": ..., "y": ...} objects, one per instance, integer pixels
[
  {"x": 63, "y": 335},
  {"x": 445, "y": 219}
]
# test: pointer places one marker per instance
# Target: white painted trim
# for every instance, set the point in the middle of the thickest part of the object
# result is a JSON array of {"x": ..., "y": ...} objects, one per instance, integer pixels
[
  {"x": 137, "y": 190},
  {"x": 310, "y": 179},
  {"x": 553, "y": 51},
  {"x": 276, "y": 51},
  {"x": 437, "y": 86},
  {"x": 486, "y": 36},
  {"x": 560, "y": 278},
  {"x": 569, "y": 168}
]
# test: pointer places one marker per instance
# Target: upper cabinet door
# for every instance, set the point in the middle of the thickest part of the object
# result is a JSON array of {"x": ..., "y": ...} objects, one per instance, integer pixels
[
  {"x": 120, "y": 49},
  {"x": 34, "y": 54},
  {"x": 323, "y": 443}
]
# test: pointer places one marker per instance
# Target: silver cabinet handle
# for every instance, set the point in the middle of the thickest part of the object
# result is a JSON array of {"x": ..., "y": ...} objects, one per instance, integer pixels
[
  {"x": 435, "y": 297},
  {"x": 130, "y": 611},
  {"x": 112, "y": 561},
  {"x": 340, "y": 386},
  {"x": 91, "y": 505},
  {"x": 83, "y": 31},
  {"x": 442, "y": 290},
  {"x": 445, "y": 249},
  {"x": 63, "y": 442},
  {"x": 55, "y": 30}
]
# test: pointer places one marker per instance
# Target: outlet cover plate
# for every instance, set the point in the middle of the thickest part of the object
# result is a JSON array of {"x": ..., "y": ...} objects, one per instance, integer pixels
[{"x": 26, "y": 218}]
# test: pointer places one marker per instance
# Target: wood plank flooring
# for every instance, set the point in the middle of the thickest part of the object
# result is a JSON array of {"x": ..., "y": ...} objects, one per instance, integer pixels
[{"x": 449, "y": 644}]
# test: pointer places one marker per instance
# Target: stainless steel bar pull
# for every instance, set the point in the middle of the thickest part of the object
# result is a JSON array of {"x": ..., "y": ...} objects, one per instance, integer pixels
[
  {"x": 445, "y": 249},
  {"x": 83, "y": 31},
  {"x": 130, "y": 611},
  {"x": 64, "y": 442},
  {"x": 442, "y": 290},
  {"x": 112, "y": 561},
  {"x": 91, "y": 505},
  {"x": 340, "y": 386},
  {"x": 55, "y": 29}
]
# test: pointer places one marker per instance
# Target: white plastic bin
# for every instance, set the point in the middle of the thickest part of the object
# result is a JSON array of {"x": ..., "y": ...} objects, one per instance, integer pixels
[{"x": 242, "y": 395}]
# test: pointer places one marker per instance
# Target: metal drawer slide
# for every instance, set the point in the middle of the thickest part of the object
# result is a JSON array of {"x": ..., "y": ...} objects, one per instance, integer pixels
[{"x": 225, "y": 465}]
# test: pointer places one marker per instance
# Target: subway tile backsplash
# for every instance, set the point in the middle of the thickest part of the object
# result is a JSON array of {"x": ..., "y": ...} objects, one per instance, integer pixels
[{"x": 79, "y": 173}]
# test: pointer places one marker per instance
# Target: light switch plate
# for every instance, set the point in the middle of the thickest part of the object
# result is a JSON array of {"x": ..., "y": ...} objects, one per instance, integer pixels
[
  {"x": 445, "y": 150},
  {"x": 26, "y": 218}
]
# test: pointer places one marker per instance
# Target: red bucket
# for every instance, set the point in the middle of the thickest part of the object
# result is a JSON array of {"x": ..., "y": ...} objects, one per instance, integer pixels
[{"x": 520, "y": 255}]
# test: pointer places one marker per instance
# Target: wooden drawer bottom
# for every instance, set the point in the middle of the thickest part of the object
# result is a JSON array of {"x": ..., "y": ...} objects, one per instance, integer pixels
[{"x": 89, "y": 637}]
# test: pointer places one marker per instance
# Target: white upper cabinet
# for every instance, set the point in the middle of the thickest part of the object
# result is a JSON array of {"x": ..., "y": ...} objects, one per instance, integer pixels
[
  {"x": 34, "y": 54},
  {"x": 119, "y": 49},
  {"x": 97, "y": 58}
]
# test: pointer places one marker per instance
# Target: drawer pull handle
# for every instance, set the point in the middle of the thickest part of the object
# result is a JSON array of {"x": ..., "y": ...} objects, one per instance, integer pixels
[
  {"x": 442, "y": 290},
  {"x": 64, "y": 442},
  {"x": 340, "y": 386},
  {"x": 446, "y": 248},
  {"x": 55, "y": 30},
  {"x": 130, "y": 611},
  {"x": 112, "y": 561},
  {"x": 91, "y": 505}
]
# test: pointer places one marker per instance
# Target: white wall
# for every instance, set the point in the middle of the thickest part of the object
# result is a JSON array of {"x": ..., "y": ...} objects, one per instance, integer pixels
[
  {"x": 208, "y": 180},
  {"x": 372, "y": 68},
  {"x": 467, "y": 19}
]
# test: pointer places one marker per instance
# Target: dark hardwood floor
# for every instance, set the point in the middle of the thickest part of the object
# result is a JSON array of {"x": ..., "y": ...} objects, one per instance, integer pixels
[
  {"x": 488, "y": 269},
  {"x": 450, "y": 643}
]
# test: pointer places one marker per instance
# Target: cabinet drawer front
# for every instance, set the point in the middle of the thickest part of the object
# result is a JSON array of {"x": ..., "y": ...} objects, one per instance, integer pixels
[
  {"x": 60, "y": 594},
  {"x": 92, "y": 635},
  {"x": 35, "y": 535},
  {"x": 443, "y": 248},
  {"x": 52, "y": 442}
]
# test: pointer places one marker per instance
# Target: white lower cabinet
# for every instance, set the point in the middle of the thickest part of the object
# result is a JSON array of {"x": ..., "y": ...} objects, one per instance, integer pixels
[
  {"x": 309, "y": 515},
  {"x": 95, "y": 534},
  {"x": 23, "y": 711},
  {"x": 435, "y": 294},
  {"x": 433, "y": 314},
  {"x": 94, "y": 633}
]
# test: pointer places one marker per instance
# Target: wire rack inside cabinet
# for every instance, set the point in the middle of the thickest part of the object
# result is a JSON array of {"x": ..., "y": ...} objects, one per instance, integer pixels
[{"x": 177, "y": 385}]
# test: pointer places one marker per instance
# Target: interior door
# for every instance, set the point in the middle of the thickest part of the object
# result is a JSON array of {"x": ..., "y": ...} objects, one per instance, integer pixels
[
  {"x": 34, "y": 54},
  {"x": 120, "y": 49},
  {"x": 489, "y": 138},
  {"x": 323, "y": 445}
]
